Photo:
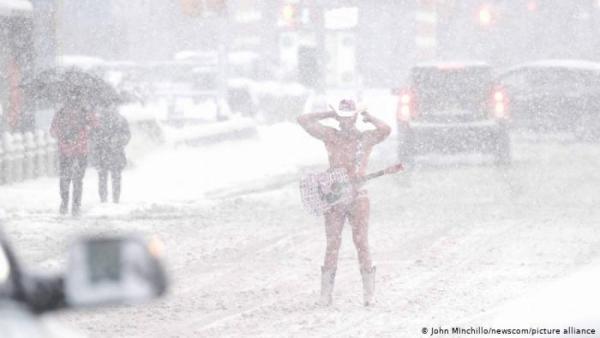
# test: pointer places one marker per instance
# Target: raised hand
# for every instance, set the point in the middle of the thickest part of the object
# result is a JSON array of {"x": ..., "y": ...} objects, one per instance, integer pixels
[
  {"x": 367, "y": 118},
  {"x": 333, "y": 112}
]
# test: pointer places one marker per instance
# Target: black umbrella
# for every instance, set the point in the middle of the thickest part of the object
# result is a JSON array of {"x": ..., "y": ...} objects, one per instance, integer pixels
[{"x": 64, "y": 86}]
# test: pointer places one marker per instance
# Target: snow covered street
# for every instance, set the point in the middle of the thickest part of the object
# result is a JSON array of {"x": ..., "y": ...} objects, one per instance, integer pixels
[
  {"x": 453, "y": 239},
  {"x": 162, "y": 163}
]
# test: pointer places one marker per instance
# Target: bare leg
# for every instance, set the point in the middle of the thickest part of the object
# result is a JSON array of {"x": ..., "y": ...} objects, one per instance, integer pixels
[
  {"x": 78, "y": 173},
  {"x": 359, "y": 219},
  {"x": 334, "y": 223},
  {"x": 66, "y": 173},
  {"x": 102, "y": 184},
  {"x": 115, "y": 176}
]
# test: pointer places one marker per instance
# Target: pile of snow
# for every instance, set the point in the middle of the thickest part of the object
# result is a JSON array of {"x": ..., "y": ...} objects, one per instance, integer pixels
[
  {"x": 572, "y": 301},
  {"x": 241, "y": 82},
  {"x": 188, "y": 173},
  {"x": 80, "y": 61},
  {"x": 200, "y": 56},
  {"x": 243, "y": 57},
  {"x": 210, "y": 132},
  {"x": 134, "y": 112}
]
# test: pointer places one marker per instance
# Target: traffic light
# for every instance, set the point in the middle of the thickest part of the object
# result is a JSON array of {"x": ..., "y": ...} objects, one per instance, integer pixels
[
  {"x": 532, "y": 5},
  {"x": 199, "y": 7},
  {"x": 289, "y": 15},
  {"x": 216, "y": 6}
]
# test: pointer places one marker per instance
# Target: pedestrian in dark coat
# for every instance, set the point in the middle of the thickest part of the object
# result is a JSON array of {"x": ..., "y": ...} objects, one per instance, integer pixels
[
  {"x": 71, "y": 127},
  {"x": 110, "y": 139}
]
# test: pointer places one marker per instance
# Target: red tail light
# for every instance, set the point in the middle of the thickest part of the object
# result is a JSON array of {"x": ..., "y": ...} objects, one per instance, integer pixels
[
  {"x": 499, "y": 104},
  {"x": 406, "y": 106}
]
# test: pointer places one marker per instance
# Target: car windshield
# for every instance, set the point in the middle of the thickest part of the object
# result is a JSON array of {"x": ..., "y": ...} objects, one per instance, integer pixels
[{"x": 453, "y": 88}]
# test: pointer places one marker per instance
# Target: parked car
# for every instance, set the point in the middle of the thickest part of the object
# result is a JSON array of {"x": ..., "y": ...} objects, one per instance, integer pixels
[
  {"x": 555, "y": 95},
  {"x": 453, "y": 107},
  {"x": 100, "y": 271}
]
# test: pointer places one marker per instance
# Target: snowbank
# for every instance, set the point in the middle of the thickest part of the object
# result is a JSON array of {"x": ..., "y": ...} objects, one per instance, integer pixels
[
  {"x": 80, "y": 61},
  {"x": 571, "y": 301},
  {"x": 210, "y": 132}
]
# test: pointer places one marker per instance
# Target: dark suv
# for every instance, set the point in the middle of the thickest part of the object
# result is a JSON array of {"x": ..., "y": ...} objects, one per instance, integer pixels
[
  {"x": 453, "y": 107},
  {"x": 555, "y": 96}
]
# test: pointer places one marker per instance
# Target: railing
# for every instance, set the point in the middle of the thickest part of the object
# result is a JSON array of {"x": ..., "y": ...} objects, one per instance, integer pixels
[{"x": 27, "y": 156}]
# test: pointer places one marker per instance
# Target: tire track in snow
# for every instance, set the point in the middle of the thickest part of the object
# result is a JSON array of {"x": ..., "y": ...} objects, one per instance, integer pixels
[{"x": 446, "y": 260}]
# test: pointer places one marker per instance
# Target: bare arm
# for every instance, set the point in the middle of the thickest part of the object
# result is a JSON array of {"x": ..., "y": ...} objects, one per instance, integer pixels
[
  {"x": 382, "y": 130},
  {"x": 310, "y": 123}
]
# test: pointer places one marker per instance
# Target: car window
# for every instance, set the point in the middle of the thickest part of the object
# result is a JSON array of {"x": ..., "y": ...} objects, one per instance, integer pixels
[
  {"x": 439, "y": 88},
  {"x": 561, "y": 78}
]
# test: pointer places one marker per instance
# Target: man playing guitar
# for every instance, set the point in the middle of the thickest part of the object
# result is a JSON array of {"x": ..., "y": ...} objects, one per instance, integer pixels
[{"x": 347, "y": 148}]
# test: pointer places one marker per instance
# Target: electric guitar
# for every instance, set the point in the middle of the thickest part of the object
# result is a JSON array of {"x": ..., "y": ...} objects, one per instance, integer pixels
[{"x": 320, "y": 192}]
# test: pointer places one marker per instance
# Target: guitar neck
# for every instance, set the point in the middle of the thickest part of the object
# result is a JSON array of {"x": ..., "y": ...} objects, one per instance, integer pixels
[{"x": 370, "y": 176}]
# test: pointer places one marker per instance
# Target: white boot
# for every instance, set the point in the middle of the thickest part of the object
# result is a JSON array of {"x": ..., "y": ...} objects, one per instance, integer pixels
[
  {"x": 368, "y": 278},
  {"x": 327, "y": 280}
]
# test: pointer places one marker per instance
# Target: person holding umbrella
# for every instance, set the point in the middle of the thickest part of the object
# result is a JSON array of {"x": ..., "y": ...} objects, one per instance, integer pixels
[
  {"x": 110, "y": 139},
  {"x": 74, "y": 90},
  {"x": 71, "y": 126}
]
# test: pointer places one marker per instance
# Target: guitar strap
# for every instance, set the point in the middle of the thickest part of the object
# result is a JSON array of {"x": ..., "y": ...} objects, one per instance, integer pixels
[{"x": 360, "y": 152}]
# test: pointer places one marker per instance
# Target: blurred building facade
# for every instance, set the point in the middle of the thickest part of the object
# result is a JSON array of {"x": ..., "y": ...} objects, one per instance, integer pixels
[
  {"x": 16, "y": 63},
  {"x": 317, "y": 42},
  {"x": 389, "y": 36},
  {"x": 507, "y": 32}
]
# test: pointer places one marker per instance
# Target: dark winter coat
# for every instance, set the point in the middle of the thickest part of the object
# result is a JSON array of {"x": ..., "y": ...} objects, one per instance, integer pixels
[
  {"x": 71, "y": 127},
  {"x": 110, "y": 138}
]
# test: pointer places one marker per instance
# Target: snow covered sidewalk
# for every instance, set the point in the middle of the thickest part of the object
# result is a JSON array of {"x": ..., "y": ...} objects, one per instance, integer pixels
[{"x": 451, "y": 243}]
